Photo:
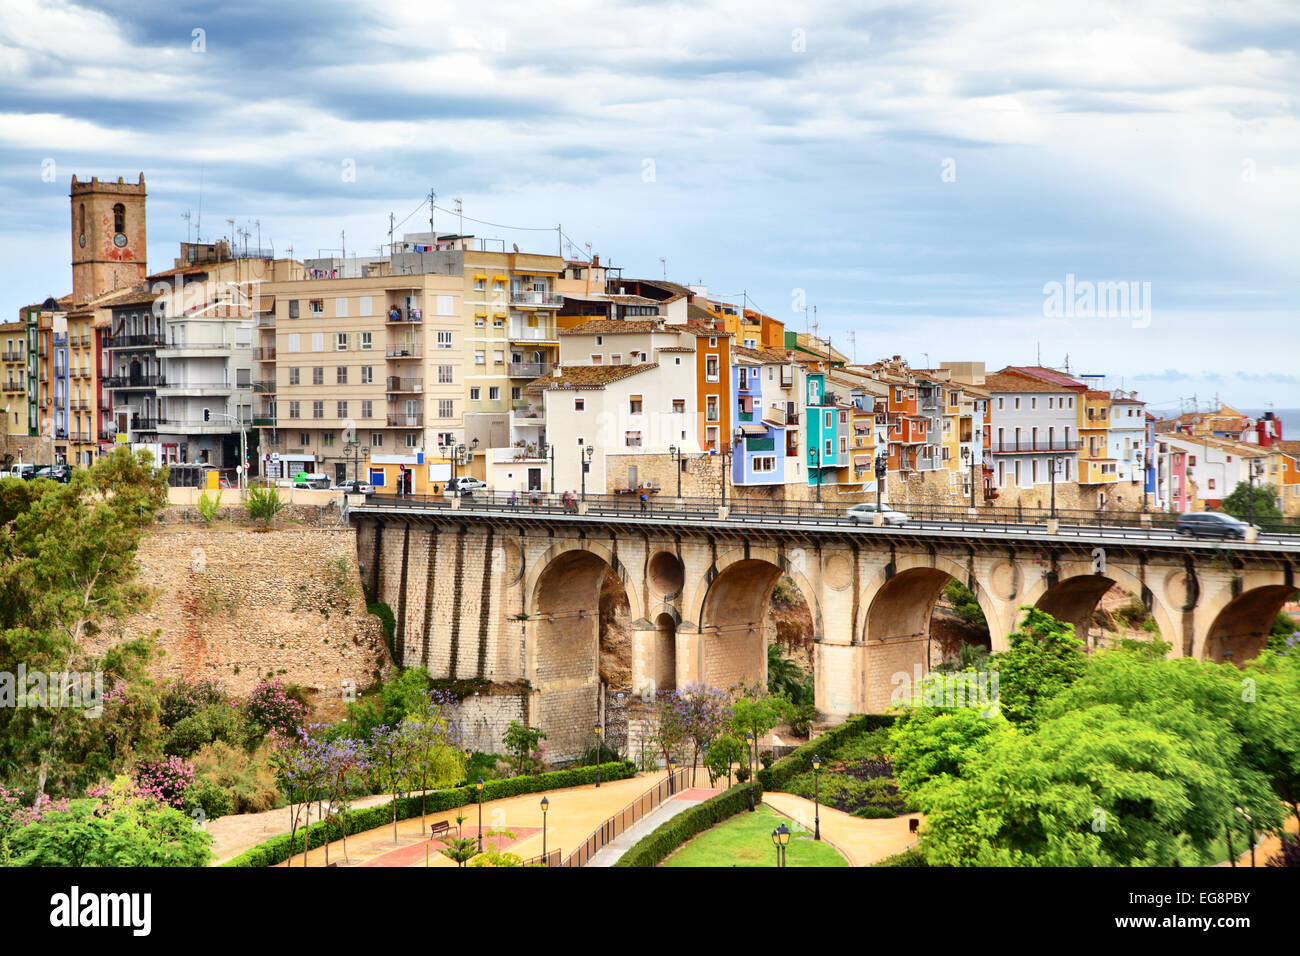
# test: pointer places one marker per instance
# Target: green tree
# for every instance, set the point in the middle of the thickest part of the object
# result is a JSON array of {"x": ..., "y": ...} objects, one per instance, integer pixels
[
  {"x": 208, "y": 507},
  {"x": 521, "y": 743},
  {"x": 264, "y": 502},
  {"x": 430, "y": 744},
  {"x": 1044, "y": 657},
  {"x": 965, "y": 604},
  {"x": 67, "y": 565},
  {"x": 1238, "y": 504},
  {"x": 755, "y": 712},
  {"x": 784, "y": 676},
  {"x": 721, "y": 755},
  {"x": 929, "y": 743}
]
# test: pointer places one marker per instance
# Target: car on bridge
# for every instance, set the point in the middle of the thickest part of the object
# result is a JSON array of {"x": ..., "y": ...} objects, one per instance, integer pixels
[
  {"x": 465, "y": 483},
  {"x": 1211, "y": 524},
  {"x": 866, "y": 513},
  {"x": 354, "y": 488}
]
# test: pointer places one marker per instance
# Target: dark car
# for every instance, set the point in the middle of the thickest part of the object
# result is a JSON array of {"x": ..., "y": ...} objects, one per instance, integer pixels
[
  {"x": 1211, "y": 524},
  {"x": 61, "y": 473}
]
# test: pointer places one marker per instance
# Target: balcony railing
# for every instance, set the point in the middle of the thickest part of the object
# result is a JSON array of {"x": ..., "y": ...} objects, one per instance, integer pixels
[
  {"x": 79, "y": 405},
  {"x": 529, "y": 369},
  {"x": 135, "y": 381},
  {"x": 141, "y": 424},
  {"x": 522, "y": 332},
  {"x": 398, "y": 384},
  {"x": 1012, "y": 447},
  {"x": 404, "y": 352},
  {"x": 266, "y": 320},
  {"x": 268, "y": 386},
  {"x": 207, "y": 386},
  {"x": 264, "y": 353},
  {"x": 531, "y": 412},
  {"x": 546, "y": 300},
  {"x": 405, "y": 421},
  {"x": 14, "y": 387},
  {"x": 146, "y": 340},
  {"x": 13, "y": 356},
  {"x": 396, "y": 315},
  {"x": 79, "y": 436}
]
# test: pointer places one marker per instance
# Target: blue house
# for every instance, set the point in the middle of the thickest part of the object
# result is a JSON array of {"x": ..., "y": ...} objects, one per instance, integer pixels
[{"x": 760, "y": 454}]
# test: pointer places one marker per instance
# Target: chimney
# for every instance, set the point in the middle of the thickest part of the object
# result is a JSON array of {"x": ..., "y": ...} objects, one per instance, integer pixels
[{"x": 595, "y": 261}]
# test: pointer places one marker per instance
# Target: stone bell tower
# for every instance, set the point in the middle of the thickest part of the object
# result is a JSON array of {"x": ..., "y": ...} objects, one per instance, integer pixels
[{"x": 108, "y": 237}]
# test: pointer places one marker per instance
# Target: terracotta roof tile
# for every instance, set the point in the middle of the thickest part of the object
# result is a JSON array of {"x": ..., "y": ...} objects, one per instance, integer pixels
[
  {"x": 616, "y": 327},
  {"x": 589, "y": 376}
]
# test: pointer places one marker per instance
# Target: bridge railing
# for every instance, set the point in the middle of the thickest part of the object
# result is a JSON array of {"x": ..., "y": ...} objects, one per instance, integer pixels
[
  {"x": 611, "y": 829},
  {"x": 942, "y": 516}
]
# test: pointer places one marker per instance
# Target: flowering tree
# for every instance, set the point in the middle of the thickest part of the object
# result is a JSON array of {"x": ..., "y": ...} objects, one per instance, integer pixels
[
  {"x": 431, "y": 743},
  {"x": 708, "y": 713},
  {"x": 672, "y": 722},
  {"x": 166, "y": 779},
  {"x": 299, "y": 762},
  {"x": 341, "y": 759},
  {"x": 391, "y": 759}
]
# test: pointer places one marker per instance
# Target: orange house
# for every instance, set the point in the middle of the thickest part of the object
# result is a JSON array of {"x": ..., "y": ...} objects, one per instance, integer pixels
[{"x": 713, "y": 383}]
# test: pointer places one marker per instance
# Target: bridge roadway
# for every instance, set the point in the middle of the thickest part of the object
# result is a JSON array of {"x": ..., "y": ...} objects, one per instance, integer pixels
[
  {"x": 520, "y": 594},
  {"x": 808, "y": 519}
]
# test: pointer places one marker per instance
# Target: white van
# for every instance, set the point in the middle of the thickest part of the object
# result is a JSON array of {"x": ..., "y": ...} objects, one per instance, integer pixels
[
  {"x": 312, "y": 479},
  {"x": 24, "y": 472}
]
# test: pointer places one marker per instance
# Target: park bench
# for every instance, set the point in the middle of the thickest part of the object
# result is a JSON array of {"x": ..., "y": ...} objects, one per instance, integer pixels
[{"x": 440, "y": 827}]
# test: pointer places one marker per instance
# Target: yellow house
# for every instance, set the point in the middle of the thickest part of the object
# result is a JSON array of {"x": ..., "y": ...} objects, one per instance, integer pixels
[
  {"x": 13, "y": 376},
  {"x": 1095, "y": 464}
]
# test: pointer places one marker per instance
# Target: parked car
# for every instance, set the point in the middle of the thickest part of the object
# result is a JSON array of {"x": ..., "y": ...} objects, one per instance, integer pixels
[
  {"x": 60, "y": 473},
  {"x": 465, "y": 483},
  {"x": 866, "y": 514},
  {"x": 1210, "y": 524},
  {"x": 354, "y": 488},
  {"x": 26, "y": 472},
  {"x": 311, "y": 480}
]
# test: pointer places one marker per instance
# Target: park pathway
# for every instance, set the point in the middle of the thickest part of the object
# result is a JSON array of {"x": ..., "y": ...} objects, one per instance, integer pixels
[
  {"x": 613, "y": 852},
  {"x": 862, "y": 842}
]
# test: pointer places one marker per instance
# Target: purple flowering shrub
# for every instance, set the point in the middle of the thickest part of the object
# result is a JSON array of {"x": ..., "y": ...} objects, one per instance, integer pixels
[
  {"x": 165, "y": 780},
  {"x": 272, "y": 710}
]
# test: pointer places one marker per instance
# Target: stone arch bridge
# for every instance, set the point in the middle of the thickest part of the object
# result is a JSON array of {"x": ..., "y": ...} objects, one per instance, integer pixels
[{"x": 513, "y": 596}]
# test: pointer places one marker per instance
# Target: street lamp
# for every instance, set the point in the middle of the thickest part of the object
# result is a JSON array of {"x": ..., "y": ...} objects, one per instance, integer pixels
[
  {"x": 882, "y": 467},
  {"x": 749, "y": 741},
  {"x": 479, "y": 787},
  {"x": 549, "y": 452},
  {"x": 730, "y": 452},
  {"x": 672, "y": 770},
  {"x": 1055, "y": 467},
  {"x": 817, "y": 805},
  {"x": 545, "y": 806},
  {"x": 586, "y": 464},
  {"x": 780, "y": 840},
  {"x": 816, "y": 463},
  {"x": 598, "y": 756},
  {"x": 676, "y": 454}
]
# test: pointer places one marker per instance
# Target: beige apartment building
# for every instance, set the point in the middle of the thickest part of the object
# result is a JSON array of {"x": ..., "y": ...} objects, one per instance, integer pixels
[{"x": 347, "y": 368}]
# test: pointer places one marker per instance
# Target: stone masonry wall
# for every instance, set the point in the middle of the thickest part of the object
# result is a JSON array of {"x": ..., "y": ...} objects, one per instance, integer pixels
[{"x": 241, "y": 605}]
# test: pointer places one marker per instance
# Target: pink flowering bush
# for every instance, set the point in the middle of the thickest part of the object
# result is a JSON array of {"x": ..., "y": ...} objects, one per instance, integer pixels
[
  {"x": 273, "y": 711},
  {"x": 165, "y": 780}
]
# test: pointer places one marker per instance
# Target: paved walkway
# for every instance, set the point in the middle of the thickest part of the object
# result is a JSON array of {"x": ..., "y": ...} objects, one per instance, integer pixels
[
  {"x": 862, "y": 842},
  {"x": 237, "y": 832},
  {"x": 572, "y": 815},
  {"x": 613, "y": 852}
]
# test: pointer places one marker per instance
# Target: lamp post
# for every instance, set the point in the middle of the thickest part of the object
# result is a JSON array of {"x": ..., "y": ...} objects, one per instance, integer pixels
[
  {"x": 973, "y": 459},
  {"x": 545, "y": 806},
  {"x": 882, "y": 467},
  {"x": 749, "y": 741},
  {"x": 780, "y": 840},
  {"x": 1055, "y": 467},
  {"x": 817, "y": 804},
  {"x": 550, "y": 453},
  {"x": 816, "y": 463},
  {"x": 598, "y": 756},
  {"x": 586, "y": 463},
  {"x": 479, "y": 787},
  {"x": 672, "y": 772},
  {"x": 730, "y": 452},
  {"x": 675, "y": 454}
]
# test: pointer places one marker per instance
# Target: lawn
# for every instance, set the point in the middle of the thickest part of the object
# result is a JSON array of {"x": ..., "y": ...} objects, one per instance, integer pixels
[{"x": 746, "y": 840}]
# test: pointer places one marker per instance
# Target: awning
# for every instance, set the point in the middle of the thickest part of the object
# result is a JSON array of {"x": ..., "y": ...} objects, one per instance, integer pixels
[
  {"x": 754, "y": 431},
  {"x": 481, "y": 275}
]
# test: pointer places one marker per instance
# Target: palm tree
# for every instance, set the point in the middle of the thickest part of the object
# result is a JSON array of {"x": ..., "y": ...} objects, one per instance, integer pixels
[{"x": 784, "y": 676}]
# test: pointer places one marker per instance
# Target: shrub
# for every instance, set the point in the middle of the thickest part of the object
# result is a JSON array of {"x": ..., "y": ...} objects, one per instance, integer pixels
[
  {"x": 800, "y": 759},
  {"x": 213, "y": 800},
  {"x": 247, "y": 779},
  {"x": 280, "y": 848},
  {"x": 264, "y": 503},
  {"x": 208, "y": 507},
  {"x": 219, "y": 722},
  {"x": 651, "y": 849},
  {"x": 912, "y": 857},
  {"x": 184, "y": 698},
  {"x": 166, "y": 779},
  {"x": 271, "y": 708}
]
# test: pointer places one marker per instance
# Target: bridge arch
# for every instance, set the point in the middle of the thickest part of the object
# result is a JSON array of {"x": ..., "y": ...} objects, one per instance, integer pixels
[
  {"x": 564, "y": 607},
  {"x": 731, "y": 607},
  {"x": 899, "y": 602},
  {"x": 1078, "y": 590},
  {"x": 1241, "y": 628}
]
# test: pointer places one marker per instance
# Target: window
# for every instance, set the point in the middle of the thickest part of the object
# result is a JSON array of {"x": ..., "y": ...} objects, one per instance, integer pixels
[
  {"x": 632, "y": 439},
  {"x": 445, "y": 409},
  {"x": 830, "y": 448},
  {"x": 293, "y": 375},
  {"x": 293, "y": 410},
  {"x": 830, "y": 419},
  {"x": 713, "y": 341},
  {"x": 616, "y": 358},
  {"x": 679, "y": 406},
  {"x": 304, "y": 438},
  {"x": 365, "y": 341},
  {"x": 444, "y": 339},
  {"x": 498, "y": 357},
  {"x": 1191, "y": 460},
  {"x": 480, "y": 283},
  {"x": 119, "y": 218},
  {"x": 317, "y": 307},
  {"x": 1033, "y": 471},
  {"x": 579, "y": 404},
  {"x": 365, "y": 305},
  {"x": 844, "y": 444},
  {"x": 341, "y": 308},
  {"x": 480, "y": 357},
  {"x": 293, "y": 308},
  {"x": 294, "y": 344},
  {"x": 341, "y": 375},
  {"x": 327, "y": 439},
  {"x": 446, "y": 306},
  {"x": 764, "y": 465},
  {"x": 340, "y": 341},
  {"x": 1017, "y": 401},
  {"x": 711, "y": 437},
  {"x": 367, "y": 374},
  {"x": 445, "y": 375},
  {"x": 412, "y": 440},
  {"x": 711, "y": 408},
  {"x": 494, "y": 393},
  {"x": 600, "y": 340},
  {"x": 1001, "y": 404},
  {"x": 318, "y": 341},
  {"x": 367, "y": 409},
  {"x": 318, "y": 409},
  {"x": 1211, "y": 482},
  {"x": 475, "y": 393},
  {"x": 711, "y": 368},
  {"x": 318, "y": 375},
  {"x": 480, "y": 321},
  {"x": 516, "y": 393},
  {"x": 634, "y": 405},
  {"x": 498, "y": 321},
  {"x": 377, "y": 439},
  {"x": 597, "y": 359}
]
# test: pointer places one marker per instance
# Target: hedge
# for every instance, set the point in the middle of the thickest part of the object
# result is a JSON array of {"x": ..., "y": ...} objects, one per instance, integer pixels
[
  {"x": 798, "y": 760},
  {"x": 278, "y": 849},
  {"x": 651, "y": 849}
]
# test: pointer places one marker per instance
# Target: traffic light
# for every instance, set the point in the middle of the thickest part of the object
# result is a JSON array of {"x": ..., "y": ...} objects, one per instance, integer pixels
[{"x": 207, "y": 414}]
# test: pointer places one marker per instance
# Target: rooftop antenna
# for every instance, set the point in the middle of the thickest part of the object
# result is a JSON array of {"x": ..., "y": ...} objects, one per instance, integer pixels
[
  {"x": 343, "y": 242},
  {"x": 198, "y": 223},
  {"x": 390, "y": 234},
  {"x": 1039, "y": 360},
  {"x": 258, "y": 224},
  {"x": 853, "y": 346},
  {"x": 187, "y": 217},
  {"x": 460, "y": 218}
]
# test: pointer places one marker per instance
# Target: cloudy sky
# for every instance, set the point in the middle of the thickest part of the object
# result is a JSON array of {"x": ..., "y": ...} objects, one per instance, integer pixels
[{"x": 919, "y": 172}]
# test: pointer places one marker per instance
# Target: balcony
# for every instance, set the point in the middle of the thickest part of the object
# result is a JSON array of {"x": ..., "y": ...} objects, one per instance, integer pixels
[
  {"x": 80, "y": 373},
  {"x": 405, "y": 421},
  {"x": 148, "y": 340},
  {"x": 266, "y": 386},
  {"x": 264, "y": 353},
  {"x": 536, "y": 300},
  {"x": 13, "y": 356},
  {"x": 404, "y": 352},
  {"x": 14, "y": 387},
  {"x": 180, "y": 348},
  {"x": 196, "y": 388},
  {"x": 526, "y": 412},
  {"x": 266, "y": 320},
  {"x": 141, "y": 423},
  {"x": 1026, "y": 445},
  {"x": 523, "y": 332},
  {"x": 529, "y": 369},
  {"x": 79, "y": 405},
  {"x": 398, "y": 384},
  {"x": 135, "y": 381},
  {"x": 396, "y": 315},
  {"x": 81, "y": 436}
]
